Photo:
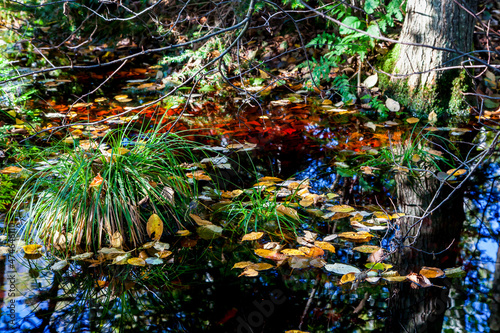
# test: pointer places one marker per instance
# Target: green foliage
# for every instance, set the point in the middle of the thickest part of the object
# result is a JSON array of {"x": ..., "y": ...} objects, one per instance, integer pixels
[
  {"x": 88, "y": 194},
  {"x": 8, "y": 190}
]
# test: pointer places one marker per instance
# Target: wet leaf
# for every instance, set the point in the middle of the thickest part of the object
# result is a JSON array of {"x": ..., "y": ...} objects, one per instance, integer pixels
[
  {"x": 209, "y": 231},
  {"x": 346, "y": 278},
  {"x": 299, "y": 262},
  {"x": 163, "y": 254},
  {"x": 431, "y": 272},
  {"x": 118, "y": 151},
  {"x": 161, "y": 246},
  {"x": 418, "y": 280},
  {"x": 242, "y": 264},
  {"x": 261, "y": 266},
  {"x": 341, "y": 209},
  {"x": 32, "y": 249},
  {"x": 59, "y": 265},
  {"x": 325, "y": 246},
  {"x": 366, "y": 248},
  {"x": 396, "y": 278},
  {"x": 292, "y": 252},
  {"x": 456, "y": 172},
  {"x": 270, "y": 254},
  {"x": 154, "y": 226},
  {"x": 252, "y": 236},
  {"x": 341, "y": 269},
  {"x": 199, "y": 221},
  {"x": 183, "y": 233},
  {"x": 270, "y": 179},
  {"x": 11, "y": 169},
  {"x": 153, "y": 261},
  {"x": 412, "y": 120},
  {"x": 290, "y": 212},
  {"x": 317, "y": 262},
  {"x": 97, "y": 181},
  {"x": 312, "y": 251},
  {"x": 136, "y": 262},
  {"x": 249, "y": 272},
  {"x": 360, "y": 236},
  {"x": 378, "y": 266},
  {"x": 121, "y": 259},
  {"x": 82, "y": 256}
]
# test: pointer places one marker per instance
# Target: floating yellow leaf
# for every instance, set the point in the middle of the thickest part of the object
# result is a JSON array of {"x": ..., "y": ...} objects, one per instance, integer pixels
[
  {"x": 249, "y": 272},
  {"x": 270, "y": 179},
  {"x": 11, "y": 169},
  {"x": 290, "y": 212},
  {"x": 312, "y": 251},
  {"x": 367, "y": 248},
  {"x": 346, "y": 278},
  {"x": 341, "y": 209},
  {"x": 252, "y": 236},
  {"x": 154, "y": 226},
  {"x": 121, "y": 97},
  {"x": 136, "y": 262},
  {"x": 242, "y": 264},
  {"x": 97, "y": 181},
  {"x": 397, "y": 215},
  {"x": 412, "y": 120},
  {"x": 270, "y": 254},
  {"x": 431, "y": 272},
  {"x": 163, "y": 254},
  {"x": 306, "y": 202},
  {"x": 456, "y": 172},
  {"x": 183, "y": 232},
  {"x": 338, "y": 216},
  {"x": 325, "y": 246},
  {"x": 293, "y": 252},
  {"x": 100, "y": 99},
  {"x": 381, "y": 215},
  {"x": 32, "y": 249},
  {"x": 360, "y": 236}
]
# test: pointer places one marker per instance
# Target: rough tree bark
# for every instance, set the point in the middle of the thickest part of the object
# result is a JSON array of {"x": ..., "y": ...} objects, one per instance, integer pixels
[{"x": 438, "y": 23}]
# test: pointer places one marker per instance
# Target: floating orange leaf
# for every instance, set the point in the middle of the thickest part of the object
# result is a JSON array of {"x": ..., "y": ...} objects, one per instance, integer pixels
[
  {"x": 252, "y": 236},
  {"x": 292, "y": 252},
  {"x": 270, "y": 254}
]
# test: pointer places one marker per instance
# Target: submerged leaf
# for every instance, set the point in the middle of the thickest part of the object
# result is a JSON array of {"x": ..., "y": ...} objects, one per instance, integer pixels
[
  {"x": 209, "y": 231},
  {"x": 59, "y": 265},
  {"x": 82, "y": 256},
  {"x": 262, "y": 266},
  {"x": 270, "y": 254}
]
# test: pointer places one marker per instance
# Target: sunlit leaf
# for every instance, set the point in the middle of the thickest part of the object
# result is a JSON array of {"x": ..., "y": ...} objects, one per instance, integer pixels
[
  {"x": 154, "y": 226},
  {"x": 290, "y": 212},
  {"x": 341, "y": 209},
  {"x": 306, "y": 202},
  {"x": 412, "y": 120},
  {"x": 381, "y": 215},
  {"x": 121, "y": 259},
  {"x": 242, "y": 264},
  {"x": 270, "y": 254},
  {"x": 270, "y": 179},
  {"x": 366, "y": 248},
  {"x": 32, "y": 249},
  {"x": 456, "y": 172},
  {"x": 209, "y": 231},
  {"x": 295, "y": 331},
  {"x": 252, "y": 236},
  {"x": 418, "y": 281},
  {"x": 341, "y": 269},
  {"x": 249, "y": 272},
  {"x": 97, "y": 181},
  {"x": 59, "y": 265},
  {"x": 392, "y": 105},
  {"x": 346, "y": 278},
  {"x": 292, "y": 252},
  {"x": 325, "y": 246},
  {"x": 360, "y": 236},
  {"x": 431, "y": 272},
  {"x": 117, "y": 240},
  {"x": 136, "y": 261},
  {"x": 371, "y": 81},
  {"x": 312, "y": 251},
  {"x": 11, "y": 169},
  {"x": 378, "y": 266},
  {"x": 100, "y": 99},
  {"x": 183, "y": 233}
]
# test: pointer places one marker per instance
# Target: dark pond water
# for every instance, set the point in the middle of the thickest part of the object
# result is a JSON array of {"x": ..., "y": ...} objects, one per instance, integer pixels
[{"x": 200, "y": 292}]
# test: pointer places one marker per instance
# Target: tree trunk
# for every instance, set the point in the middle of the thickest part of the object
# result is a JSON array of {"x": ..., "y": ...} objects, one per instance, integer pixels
[{"x": 438, "y": 23}]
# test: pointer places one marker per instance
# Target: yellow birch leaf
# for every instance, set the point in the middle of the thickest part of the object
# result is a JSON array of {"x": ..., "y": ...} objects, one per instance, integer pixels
[
  {"x": 270, "y": 254},
  {"x": 341, "y": 209},
  {"x": 325, "y": 246},
  {"x": 11, "y": 169},
  {"x": 360, "y": 236},
  {"x": 412, "y": 120},
  {"x": 306, "y": 202},
  {"x": 252, "y": 236},
  {"x": 290, "y": 212},
  {"x": 262, "y": 266},
  {"x": 154, "y": 226},
  {"x": 32, "y": 249},
  {"x": 292, "y": 252},
  {"x": 249, "y": 272},
  {"x": 136, "y": 262},
  {"x": 242, "y": 264},
  {"x": 346, "y": 278},
  {"x": 456, "y": 172}
]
